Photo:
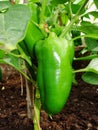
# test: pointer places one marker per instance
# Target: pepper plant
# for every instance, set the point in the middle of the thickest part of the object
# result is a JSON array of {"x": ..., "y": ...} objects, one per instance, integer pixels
[{"x": 39, "y": 38}]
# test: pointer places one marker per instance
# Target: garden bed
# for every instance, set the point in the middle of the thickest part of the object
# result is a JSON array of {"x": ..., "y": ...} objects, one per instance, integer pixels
[{"x": 80, "y": 112}]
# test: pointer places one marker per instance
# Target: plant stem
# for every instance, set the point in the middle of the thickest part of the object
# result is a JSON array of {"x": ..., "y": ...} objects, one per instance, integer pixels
[
  {"x": 87, "y": 57},
  {"x": 23, "y": 55},
  {"x": 70, "y": 9},
  {"x": 33, "y": 104},
  {"x": 80, "y": 70},
  {"x": 42, "y": 14},
  {"x": 74, "y": 19},
  {"x": 37, "y": 107},
  {"x": 86, "y": 35},
  {"x": 29, "y": 98}
]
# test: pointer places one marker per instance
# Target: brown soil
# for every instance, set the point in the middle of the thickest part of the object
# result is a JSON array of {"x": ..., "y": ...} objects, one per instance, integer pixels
[{"x": 80, "y": 112}]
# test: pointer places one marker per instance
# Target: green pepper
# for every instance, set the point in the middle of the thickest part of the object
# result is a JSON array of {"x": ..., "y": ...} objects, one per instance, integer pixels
[
  {"x": 54, "y": 75},
  {"x": 33, "y": 33}
]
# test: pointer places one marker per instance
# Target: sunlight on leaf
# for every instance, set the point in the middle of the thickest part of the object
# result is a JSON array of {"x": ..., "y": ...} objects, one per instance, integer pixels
[{"x": 93, "y": 66}]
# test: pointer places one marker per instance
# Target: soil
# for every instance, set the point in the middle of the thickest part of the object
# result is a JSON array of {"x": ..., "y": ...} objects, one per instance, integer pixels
[{"x": 79, "y": 113}]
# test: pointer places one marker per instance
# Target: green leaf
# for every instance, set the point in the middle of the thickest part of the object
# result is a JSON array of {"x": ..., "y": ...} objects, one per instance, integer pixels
[
  {"x": 35, "y": 1},
  {"x": 77, "y": 1},
  {"x": 2, "y": 52},
  {"x": 4, "y": 5},
  {"x": 93, "y": 66},
  {"x": 96, "y": 3},
  {"x": 75, "y": 8},
  {"x": 15, "y": 60},
  {"x": 77, "y": 42},
  {"x": 90, "y": 78},
  {"x": 94, "y": 13},
  {"x": 24, "y": 53},
  {"x": 56, "y": 2},
  {"x": 28, "y": 61},
  {"x": 92, "y": 44},
  {"x": 13, "y": 24},
  {"x": 88, "y": 28}
]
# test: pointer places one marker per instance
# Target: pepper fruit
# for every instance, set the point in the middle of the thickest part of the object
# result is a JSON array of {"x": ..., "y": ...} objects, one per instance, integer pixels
[
  {"x": 33, "y": 33},
  {"x": 54, "y": 75}
]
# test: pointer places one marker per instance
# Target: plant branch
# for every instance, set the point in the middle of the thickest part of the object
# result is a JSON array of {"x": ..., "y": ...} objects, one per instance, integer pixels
[
  {"x": 37, "y": 108},
  {"x": 87, "y": 57},
  {"x": 23, "y": 55},
  {"x": 85, "y": 35},
  {"x": 74, "y": 19},
  {"x": 78, "y": 37},
  {"x": 82, "y": 7},
  {"x": 70, "y": 9},
  {"x": 80, "y": 70},
  {"x": 42, "y": 14}
]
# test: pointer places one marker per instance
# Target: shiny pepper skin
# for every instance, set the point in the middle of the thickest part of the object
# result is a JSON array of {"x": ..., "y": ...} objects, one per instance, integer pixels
[{"x": 54, "y": 72}]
